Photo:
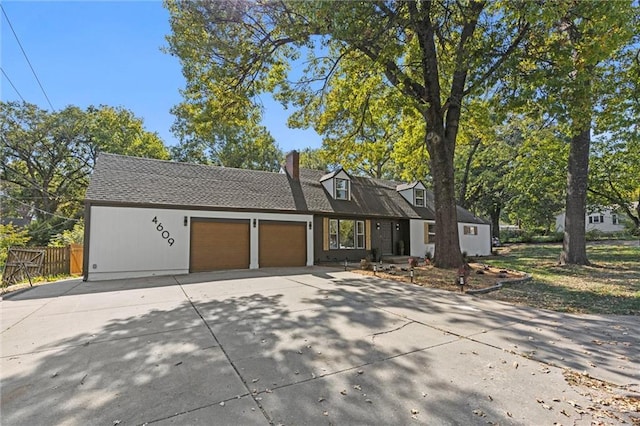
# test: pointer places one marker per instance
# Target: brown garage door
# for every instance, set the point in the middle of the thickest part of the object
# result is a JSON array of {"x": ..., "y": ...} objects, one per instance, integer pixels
[
  {"x": 282, "y": 244},
  {"x": 219, "y": 245}
]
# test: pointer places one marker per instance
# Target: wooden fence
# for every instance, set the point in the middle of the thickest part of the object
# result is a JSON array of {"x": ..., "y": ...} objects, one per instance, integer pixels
[{"x": 28, "y": 262}]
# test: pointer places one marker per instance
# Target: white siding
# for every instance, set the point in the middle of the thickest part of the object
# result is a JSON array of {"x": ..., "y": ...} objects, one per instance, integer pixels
[
  {"x": 125, "y": 243},
  {"x": 474, "y": 245},
  {"x": 605, "y": 226}
]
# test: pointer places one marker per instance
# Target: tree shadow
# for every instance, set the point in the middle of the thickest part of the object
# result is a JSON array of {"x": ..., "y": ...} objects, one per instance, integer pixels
[{"x": 282, "y": 357}]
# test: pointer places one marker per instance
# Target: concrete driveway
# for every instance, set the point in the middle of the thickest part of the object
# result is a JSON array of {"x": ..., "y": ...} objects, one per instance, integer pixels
[{"x": 298, "y": 346}]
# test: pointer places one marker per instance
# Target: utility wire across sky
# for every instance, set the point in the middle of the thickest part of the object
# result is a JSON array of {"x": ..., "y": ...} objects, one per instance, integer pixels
[{"x": 24, "y": 53}]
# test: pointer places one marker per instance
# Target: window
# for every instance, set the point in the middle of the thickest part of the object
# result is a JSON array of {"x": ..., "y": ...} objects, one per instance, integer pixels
[
  {"x": 596, "y": 219},
  {"x": 470, "y": 230},
  {"x": 359, "y": 234},
  {"x": 429, "y": 233},
  {"x": 419, "y": 197},
  {"x": 614, "y": 219},
  {"x": 346, "y": 234},
  {"x": 333, "y": 234},
  {"x": 342, "y": 189}
]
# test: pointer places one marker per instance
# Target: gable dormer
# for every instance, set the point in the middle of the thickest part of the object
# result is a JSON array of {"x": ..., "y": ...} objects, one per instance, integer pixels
[
  {"x": 415, "y": 193},
  {"x": 338, "y": 184}
]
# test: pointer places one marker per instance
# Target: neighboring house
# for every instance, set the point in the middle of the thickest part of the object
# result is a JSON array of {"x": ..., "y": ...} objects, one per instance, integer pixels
[
  {"x": 150, "y": 217},
  {"x": 18, "y": 222},
  {"x": 605, "y": 220}
]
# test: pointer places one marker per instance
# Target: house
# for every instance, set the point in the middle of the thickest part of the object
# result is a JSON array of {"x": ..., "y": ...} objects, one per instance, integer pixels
[
  {"x": 148, "y": 217},
  {"x": 605, "y": 220}
]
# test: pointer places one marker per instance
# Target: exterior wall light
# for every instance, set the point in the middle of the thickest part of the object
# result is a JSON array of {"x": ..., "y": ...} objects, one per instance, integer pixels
[
  {"x": 186, "y": 221},
  {"x": 255, "y": 222},
  {"x": 397, "y": 226},
  {"x": 310, "y": 226},
  {"x": 378, "y": 226}
]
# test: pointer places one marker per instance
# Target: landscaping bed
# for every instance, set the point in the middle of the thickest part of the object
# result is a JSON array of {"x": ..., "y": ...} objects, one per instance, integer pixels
[{"x": 480, "y": 276}]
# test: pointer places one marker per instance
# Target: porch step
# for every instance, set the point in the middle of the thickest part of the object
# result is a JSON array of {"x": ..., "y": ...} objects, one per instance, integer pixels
[{"x": 398, "y": 260}]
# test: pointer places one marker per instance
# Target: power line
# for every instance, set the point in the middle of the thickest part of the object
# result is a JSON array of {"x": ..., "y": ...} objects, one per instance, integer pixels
[
  {"x": 40, "y": 210},
  {"x": 12, "y": 85},
  {"x": 27, "y": 58}
]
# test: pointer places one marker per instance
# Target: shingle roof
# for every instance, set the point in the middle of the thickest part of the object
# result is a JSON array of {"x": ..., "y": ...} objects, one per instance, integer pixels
[
  {"x": 131, "y": 180},
  {"x": 118, "y": 178}
]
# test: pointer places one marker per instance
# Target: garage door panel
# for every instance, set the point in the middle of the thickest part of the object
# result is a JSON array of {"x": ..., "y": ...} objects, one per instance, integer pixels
[
  {"x": 219, "y": 245},
  {"x": 282, "y": 244}
]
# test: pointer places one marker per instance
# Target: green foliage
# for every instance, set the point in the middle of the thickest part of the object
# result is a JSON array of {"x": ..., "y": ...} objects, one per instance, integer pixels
[
  {"x": 68, "y": 236},
  {"x": 10, "y": 236},
  {"x": 314, "y": 159},
  {"x": 377, "y": 76},
  {"x": 47, "y": 158}
]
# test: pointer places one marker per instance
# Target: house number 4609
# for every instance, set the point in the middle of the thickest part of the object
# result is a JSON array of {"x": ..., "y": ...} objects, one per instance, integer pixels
[{"x": 164, "y": 233}]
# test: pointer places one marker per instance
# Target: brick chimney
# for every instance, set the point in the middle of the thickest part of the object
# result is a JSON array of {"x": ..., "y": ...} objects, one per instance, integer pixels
[{"x": 292, "y": 166}]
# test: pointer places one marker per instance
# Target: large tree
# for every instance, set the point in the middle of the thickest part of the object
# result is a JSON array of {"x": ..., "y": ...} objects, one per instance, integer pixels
[
  {"x": 241, "y": 143},
  {"x": 48, "y": 156},
  {"x": 432, "y": 54},
  {"x": 564, "y": 77}
]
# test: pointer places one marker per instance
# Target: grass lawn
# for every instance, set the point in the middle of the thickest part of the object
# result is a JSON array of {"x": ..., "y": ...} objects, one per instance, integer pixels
[{"x": 610, "y": 286}]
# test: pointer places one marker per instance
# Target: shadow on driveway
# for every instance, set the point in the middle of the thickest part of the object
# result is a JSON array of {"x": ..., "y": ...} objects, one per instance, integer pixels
[{"x": 312, "y": 346}]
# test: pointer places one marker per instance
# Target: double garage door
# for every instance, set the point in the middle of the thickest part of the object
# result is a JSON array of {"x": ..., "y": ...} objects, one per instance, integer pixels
[{"x": 226, "y": 244}]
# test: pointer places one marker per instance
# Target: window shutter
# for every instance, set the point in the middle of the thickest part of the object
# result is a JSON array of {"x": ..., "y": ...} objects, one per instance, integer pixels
[
  {"x": 325, "y": 233},
  {"x": 367, "y": 236},
  {"x": 426, "y": 233}
]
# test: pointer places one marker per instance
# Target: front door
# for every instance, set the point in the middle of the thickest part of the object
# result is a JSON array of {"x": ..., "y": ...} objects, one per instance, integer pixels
[{"x": 386, "y": 238}]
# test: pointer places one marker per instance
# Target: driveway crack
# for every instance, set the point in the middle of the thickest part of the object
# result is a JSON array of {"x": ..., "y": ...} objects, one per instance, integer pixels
[
  {"x": 235, "y": 369},
  {"x": 373, "y": 336}
]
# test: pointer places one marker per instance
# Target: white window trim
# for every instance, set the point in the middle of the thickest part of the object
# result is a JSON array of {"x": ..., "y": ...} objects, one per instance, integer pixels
[
  {"x": 356, "y": 246},
  {"x": 415, "y": 197},
  {"x": 348, "y": 189}
]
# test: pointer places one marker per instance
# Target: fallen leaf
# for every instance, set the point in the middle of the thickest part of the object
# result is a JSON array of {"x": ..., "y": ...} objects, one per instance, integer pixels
[
  {"x": 254, "y": 380},
  {"x": 414, "y": 411},
  {"x": 565, "y": 413},
  {"x": 357, "y": 387},
  {"x": 325, "y": 413},
  {"x": 177, "y": 363},
  {"x": 369, "y": 401},
  {"x": 515, "y": 364},
  {"x": 546, "y": 407},
  {"x": 360, "y": 371},
  {"x": 479, "y": 413},
  {"x": 540, "y": 401},
  {"x": 509, "y": 414},
  {"x": 343, "y": 391},
  {"x": 490, "y": 397},
  {"x": 222, "y": 404},
  {"x": 320, "y": 399}
]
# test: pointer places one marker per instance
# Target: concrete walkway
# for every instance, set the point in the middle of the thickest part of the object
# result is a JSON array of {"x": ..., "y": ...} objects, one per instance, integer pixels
[{"x": 297, "y": 346}]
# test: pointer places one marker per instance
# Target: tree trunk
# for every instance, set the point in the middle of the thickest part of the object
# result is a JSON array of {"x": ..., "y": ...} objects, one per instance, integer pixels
[
  {"x": 574, "y": 248},
  {"x": 495, "y": 221},
  {"x": 447, "y": 244}
]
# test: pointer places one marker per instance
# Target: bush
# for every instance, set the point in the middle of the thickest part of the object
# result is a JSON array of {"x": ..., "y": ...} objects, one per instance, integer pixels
[{"x": 66, "y": 237}]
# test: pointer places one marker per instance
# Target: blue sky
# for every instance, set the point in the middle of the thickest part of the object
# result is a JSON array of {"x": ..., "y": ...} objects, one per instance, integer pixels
[{"x": 94, "y": 52}]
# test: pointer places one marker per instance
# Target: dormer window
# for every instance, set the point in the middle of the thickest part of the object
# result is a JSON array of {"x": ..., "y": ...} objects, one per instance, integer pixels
[
  {"x": 342, "y": 189},
  {"x": 337, "y": 184},
  {"x": 419, "y": 197}
]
